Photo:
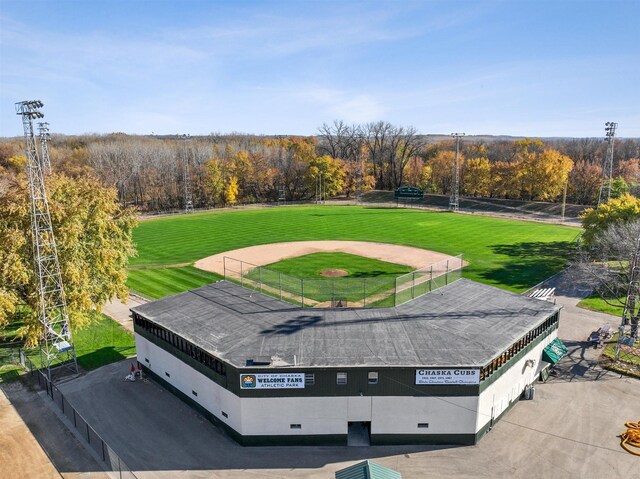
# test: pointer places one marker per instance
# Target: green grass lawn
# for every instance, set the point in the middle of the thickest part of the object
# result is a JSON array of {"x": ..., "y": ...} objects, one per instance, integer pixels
[
  {"x": 595, "y": 303},
  {"x": 101, "y": 342},
  {"x": 159, "y": 282},
  {"x": 626, "y": 355},
  {"x": 513, "y": 255}
]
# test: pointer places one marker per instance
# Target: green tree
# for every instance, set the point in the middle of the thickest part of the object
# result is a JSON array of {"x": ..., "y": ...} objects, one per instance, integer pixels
[
  {"x": 617, "y": 211},
  {"x": 93, "y": 236},
  {"x": 619, "y": 187}
]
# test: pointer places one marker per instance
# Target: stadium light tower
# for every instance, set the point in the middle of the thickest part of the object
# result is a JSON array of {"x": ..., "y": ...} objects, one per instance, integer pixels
[
  {"x": 188, "y": 197},
  {"x": 607, "y": 171},
  {"x": 56, "y": 346},
  {"x": 43, "y": 131},
  {"x": 454, "y": 200}
]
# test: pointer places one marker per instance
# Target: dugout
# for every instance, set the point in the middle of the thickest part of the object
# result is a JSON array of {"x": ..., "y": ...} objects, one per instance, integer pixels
[{"x": 440, "y": 369}]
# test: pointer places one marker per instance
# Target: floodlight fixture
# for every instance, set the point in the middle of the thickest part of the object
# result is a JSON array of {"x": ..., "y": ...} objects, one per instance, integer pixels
[{"x": 607, "y": 170}]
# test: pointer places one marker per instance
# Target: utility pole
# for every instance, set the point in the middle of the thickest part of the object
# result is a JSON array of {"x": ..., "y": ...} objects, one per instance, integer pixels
[
  {"x": 607, "y": 171},
  {"x": 454, "y": 201},
  {"x": 188, "y": 198},
  {"x": 56, "y": 346}
]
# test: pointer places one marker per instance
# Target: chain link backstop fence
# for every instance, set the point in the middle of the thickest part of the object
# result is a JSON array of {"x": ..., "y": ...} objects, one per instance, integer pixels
[{"x": 344, "y": 291}]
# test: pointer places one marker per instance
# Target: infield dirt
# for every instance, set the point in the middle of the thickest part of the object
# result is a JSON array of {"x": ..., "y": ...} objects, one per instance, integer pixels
[{"x": 261, "y": 255}]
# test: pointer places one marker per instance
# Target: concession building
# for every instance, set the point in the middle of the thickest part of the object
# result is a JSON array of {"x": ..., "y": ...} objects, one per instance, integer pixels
[{"x": 440, "y": 369}]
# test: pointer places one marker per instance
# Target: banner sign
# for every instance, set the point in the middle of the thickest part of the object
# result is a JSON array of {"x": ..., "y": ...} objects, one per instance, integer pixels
[
  {"x": 272, "y": 381},
  {"x": 447, "y": 376}
]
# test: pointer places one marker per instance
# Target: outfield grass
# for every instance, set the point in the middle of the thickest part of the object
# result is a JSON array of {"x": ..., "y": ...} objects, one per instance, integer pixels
[
  {"x": 159, "y": 282},
  {"x": 513, "y": 255}
]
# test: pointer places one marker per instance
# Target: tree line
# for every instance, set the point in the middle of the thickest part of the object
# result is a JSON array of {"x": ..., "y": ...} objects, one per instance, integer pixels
[{"x": 149, "y": 172}]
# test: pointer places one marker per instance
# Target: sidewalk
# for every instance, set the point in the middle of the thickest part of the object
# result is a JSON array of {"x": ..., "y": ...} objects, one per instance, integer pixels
[{"x": 118, "y": 311}]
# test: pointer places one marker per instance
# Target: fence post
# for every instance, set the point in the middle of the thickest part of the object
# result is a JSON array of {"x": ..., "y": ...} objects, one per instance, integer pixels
[
  {"x": 224, "y": 266},
  {"x": 446, "y": 276},
  {"x": 333, "y": 292},
  {"x": 280, "y": 284},
  {"x": 302, "y": 291},
  {"x": 364, "y": 292},
  {"x": 260, "y": 277},
  {"x": 241, "y": 274},
  {"x": 430, "y": 278},
  {"x": 413, "y": 286},
  {"x": 395, "y": 292}
]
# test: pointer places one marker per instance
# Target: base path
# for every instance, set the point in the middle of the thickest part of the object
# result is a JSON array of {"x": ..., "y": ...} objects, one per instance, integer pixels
[{"x": 261, "y": 255}]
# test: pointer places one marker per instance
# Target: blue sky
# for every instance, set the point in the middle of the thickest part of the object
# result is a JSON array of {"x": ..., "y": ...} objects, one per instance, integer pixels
[{"x": 515, "y": 67}]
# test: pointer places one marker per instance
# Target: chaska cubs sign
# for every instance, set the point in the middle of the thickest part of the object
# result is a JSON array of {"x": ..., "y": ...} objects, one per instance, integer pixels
[
  {"x": 272, "y": 381},
  {"x": 447, "y": 376}
]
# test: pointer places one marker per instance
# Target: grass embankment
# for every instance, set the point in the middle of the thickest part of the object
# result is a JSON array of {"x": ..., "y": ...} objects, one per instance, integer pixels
[
  {"x": 512, "y": 255},
  {"x": 101, "y": 342}
]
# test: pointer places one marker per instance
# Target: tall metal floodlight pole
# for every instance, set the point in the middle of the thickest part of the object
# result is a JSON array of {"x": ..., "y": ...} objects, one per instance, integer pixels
[
  {"x": 607, "y": 171},
  {"x": 188, "y": 198},
  {"x": 631, "y": 312},
  {"x": 454, "y": 200},
  {"x": 56, "y": 346},
  {"x": 43, "y": 131}
]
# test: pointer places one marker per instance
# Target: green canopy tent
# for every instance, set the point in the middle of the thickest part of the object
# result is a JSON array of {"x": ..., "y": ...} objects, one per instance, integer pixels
[
  {"x": 367, "y": 470},
  {"x": 554, "y": 352}
]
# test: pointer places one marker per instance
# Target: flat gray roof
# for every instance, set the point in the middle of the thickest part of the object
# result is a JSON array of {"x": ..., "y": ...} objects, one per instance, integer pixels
[{"x": 462, "y": 324}]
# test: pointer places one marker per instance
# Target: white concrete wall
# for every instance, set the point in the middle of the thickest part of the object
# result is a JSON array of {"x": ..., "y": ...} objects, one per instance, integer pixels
[
  {"x": 495, "y": 399},
  {"x": 273, "y": 416},
  {"x": 445, "y": 415},
  {"x": 317, "y": 415},
  {"x": 183, "y": 377}
]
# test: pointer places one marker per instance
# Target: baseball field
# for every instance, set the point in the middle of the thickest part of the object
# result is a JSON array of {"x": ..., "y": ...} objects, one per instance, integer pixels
[{"x": 509, "y": 254}]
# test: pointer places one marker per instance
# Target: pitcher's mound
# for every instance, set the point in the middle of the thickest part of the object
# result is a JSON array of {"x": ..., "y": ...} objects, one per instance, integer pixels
[{"x": 333, "y": 273}]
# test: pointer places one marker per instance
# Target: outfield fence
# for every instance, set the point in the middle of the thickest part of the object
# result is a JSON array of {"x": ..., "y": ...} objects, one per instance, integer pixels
[
  {"x": 343, "y": 291},
  {"x": 112, "y": 462}
]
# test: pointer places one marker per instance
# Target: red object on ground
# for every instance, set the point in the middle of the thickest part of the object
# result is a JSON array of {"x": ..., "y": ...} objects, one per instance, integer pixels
[
  {"x": 133, "y": 369},
  {"x": 139, "y": 366}
]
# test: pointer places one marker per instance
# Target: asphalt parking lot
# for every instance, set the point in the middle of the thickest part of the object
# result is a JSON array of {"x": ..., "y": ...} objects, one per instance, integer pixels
[{"x": 569, "y": 429}]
